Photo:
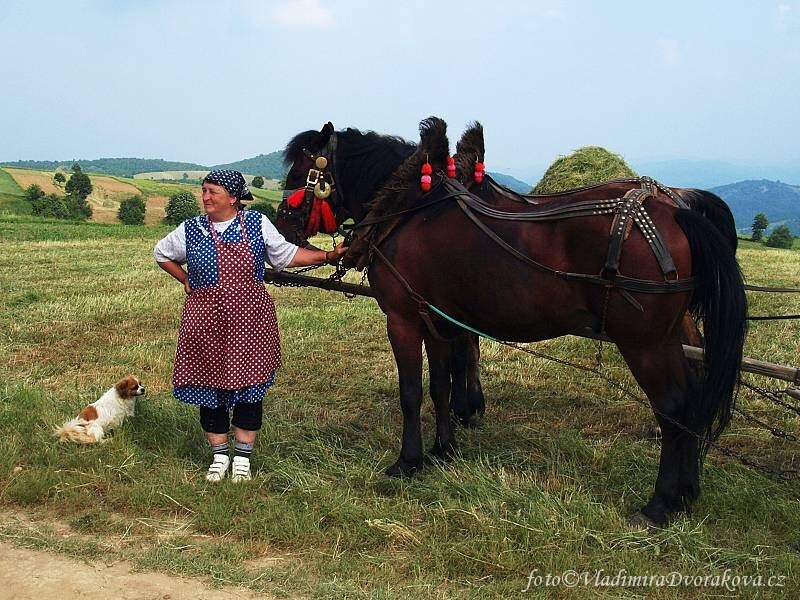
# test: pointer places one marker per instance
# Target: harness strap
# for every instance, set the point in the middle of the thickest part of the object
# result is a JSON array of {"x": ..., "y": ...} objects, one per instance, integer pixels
[
  {"x": 620, "y": 230},
  {"x": 620, "y": 281}
]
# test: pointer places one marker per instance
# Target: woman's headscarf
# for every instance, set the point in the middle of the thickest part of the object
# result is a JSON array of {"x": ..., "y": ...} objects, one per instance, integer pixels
[{"x": 232, "y": 181}]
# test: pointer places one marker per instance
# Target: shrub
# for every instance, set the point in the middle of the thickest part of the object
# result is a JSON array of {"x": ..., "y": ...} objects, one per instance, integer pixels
[
  {"x": 131, "y": 211},
  {"x": 780, "y": 237},
  {"x": 78, "y": 207},
  {"x": 50, "y": 205},
  {"x": 258, "y": 181},
  {"x": 181, "y": 206},
  {"x": 264, "y": 207},
  {"x": 33, "y": 192}
]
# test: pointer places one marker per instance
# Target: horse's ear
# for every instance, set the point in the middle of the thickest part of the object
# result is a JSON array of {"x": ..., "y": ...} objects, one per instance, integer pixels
[
  {"x": 433, "y": 143},
  {"x": 324, "y": 134},
  {"x": 472, "y": 143}
]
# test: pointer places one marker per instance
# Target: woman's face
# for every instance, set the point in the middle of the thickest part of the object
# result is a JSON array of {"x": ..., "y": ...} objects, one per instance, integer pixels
[{"x": 218, "y": 204}]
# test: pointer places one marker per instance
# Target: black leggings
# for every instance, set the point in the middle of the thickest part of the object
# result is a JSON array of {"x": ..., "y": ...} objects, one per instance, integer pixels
[{"x": 246, "y": 415}]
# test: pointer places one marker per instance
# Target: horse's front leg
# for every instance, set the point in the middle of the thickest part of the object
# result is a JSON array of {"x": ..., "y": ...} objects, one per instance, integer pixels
[
  {"x": 439, "y": 361},
  {"x": 405, "y": 336}
]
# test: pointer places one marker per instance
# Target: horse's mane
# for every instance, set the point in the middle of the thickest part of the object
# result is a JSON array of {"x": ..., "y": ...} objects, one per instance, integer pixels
[
  {"x": 402, "y": 188},
  {"x": 469, "y": 149}
]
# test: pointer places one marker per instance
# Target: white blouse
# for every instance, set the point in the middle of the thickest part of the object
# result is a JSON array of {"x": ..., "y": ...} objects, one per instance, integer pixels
[{"x": 279, "y": 252}]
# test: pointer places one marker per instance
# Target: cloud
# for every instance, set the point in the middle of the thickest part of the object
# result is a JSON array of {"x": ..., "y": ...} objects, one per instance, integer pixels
[{"x": 300, "y": 15}]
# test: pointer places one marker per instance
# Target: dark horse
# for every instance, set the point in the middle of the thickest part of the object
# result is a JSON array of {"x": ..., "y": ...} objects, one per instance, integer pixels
[{"x": 538, "y": 272}]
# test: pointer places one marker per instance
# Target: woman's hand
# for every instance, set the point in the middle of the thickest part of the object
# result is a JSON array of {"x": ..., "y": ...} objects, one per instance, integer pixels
[
  {"x": 338, "y": 252},
  {"x": 186, "y": 287}
]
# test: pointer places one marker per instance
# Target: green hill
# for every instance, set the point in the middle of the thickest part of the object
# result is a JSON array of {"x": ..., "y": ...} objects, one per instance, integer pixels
[
  {"x": 779, "y": 201},
  {"x": 267, "y": 165},
  {"x": 120, "y": 167}
]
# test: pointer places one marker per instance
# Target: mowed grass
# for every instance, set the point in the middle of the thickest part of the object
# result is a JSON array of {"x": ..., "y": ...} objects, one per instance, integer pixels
[{"x": 546, "y": 481}]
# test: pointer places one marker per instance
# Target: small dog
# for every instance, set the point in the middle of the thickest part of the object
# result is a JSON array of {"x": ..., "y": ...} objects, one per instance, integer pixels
[{"x": 108, "y": 412}]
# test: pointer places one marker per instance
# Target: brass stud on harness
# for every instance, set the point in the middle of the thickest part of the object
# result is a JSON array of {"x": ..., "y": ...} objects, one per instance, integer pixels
[{"x": 321, "y": 162}]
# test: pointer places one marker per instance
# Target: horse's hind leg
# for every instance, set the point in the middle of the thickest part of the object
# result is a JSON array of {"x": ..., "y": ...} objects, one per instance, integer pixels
[
  {"x": 663, "y": 373},
  {"x": 440, "y": 361},
  {"x": 405, "y": 336},
  {"x": 466, "y": 394}
]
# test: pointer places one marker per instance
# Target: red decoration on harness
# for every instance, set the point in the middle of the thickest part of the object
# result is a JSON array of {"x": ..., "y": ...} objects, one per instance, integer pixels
[
  {"x": 321, "y": 218},
  {"x": 451, "y": 167},
  {"x": 296, "y": 198},
  {"x": 479, "y": 170},
  {"x": 425, "y": 180}
]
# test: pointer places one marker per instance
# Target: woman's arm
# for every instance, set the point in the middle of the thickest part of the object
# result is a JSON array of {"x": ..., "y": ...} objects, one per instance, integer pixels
[
  {"x": 305, "y": 257},
  {"x": 176, "y": 270}
]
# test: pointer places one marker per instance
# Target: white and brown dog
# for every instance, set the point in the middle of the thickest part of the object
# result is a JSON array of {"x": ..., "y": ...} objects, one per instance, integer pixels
[{"x": 108, "y": 412}]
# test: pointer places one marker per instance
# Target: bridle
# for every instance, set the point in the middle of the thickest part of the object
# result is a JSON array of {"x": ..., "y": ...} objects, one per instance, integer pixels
[{"x": 320, "y": 188}]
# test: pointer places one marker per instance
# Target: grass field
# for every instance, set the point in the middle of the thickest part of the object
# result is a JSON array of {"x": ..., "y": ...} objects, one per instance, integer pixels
[{"x": 545, "y": 482}]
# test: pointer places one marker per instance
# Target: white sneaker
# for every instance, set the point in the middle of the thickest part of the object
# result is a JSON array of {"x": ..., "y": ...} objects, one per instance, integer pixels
[
  {"x": 241, "y": 469},
  {"x": 218, "y": 468}
]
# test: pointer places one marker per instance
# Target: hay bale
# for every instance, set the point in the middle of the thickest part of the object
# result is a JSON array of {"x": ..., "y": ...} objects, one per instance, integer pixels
[{"x": 585, "y": 166}]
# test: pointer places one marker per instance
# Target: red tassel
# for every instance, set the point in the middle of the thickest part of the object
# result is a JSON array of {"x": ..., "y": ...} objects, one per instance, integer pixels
[
  {"x": 312, "y": 226},
  {"x": 328, "y": 219},
  {"x": 479, "y": 170},
  {"x": 296, "y": 198},
  {"x": 451, "y": 167}
]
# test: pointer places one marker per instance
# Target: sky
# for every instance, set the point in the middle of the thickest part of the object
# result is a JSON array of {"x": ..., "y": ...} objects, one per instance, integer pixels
[{"x": 216, "y": 81}]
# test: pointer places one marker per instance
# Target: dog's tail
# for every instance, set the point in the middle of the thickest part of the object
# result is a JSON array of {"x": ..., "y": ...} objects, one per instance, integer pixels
[{"x": 77, "y": 430}]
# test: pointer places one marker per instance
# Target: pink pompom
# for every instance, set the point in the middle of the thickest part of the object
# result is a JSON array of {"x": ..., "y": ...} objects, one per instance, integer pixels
[{"x": 425, "y": 183}]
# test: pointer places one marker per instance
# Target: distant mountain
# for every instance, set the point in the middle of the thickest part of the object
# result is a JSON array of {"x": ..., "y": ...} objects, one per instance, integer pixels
[
  {"x": 779, "y": 201},
  {"x": 269, "y": 165},
  {"x": 511, "y": 183},
  {"x": 705, "y": 174},
  {"x": 120, "y": 167}
]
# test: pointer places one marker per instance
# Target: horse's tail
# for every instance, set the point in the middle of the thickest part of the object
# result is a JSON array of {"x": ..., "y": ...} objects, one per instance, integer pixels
[
  {"x": 713, "y": 208},
  {"x": 720, "y": 302}
]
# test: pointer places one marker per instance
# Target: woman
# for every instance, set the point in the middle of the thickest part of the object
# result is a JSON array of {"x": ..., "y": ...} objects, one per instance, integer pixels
[{"x": 228, "y": 345}]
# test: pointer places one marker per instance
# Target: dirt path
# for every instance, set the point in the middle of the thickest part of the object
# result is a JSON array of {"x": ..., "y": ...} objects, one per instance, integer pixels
[{"x": 36, "y": 575}]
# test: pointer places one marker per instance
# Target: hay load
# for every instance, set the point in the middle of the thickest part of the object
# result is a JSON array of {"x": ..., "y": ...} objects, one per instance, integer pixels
[{"x": 585, "y": 166}]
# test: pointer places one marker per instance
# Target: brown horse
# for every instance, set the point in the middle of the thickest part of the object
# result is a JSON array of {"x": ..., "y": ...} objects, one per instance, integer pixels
[
  {"x": 546, "y": 273},
  {"x": 470, "y": 150}
]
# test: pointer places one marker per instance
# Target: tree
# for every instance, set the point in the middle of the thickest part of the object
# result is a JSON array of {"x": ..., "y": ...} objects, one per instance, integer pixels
[
  {"x": 264, "y": 207},
  {"x": 258, "y": 181},
  {"x": 131, "y": 211},
  {"x": 76, "y": 168},
  {"x": 781, "y": 237},
  {"x": 760, "y": 224},
  {"x": 79, "y": 184},
  {"x": 33, "y": 192},
  {"x": 181, "y": 206},
  {"x": 59, "y": 178}
]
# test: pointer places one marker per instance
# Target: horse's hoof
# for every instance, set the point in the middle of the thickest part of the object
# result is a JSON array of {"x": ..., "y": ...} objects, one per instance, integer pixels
[
  {"x": 401, "y": 469},
  {"x": 642, "y": 521}
]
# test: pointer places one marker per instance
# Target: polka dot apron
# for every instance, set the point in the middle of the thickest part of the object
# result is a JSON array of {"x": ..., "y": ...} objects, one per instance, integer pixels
[{"x": 228, "y": 337}]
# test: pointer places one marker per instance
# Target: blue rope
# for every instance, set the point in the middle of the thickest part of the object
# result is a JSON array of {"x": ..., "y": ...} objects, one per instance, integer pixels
[{"x": 462, "y": 325}]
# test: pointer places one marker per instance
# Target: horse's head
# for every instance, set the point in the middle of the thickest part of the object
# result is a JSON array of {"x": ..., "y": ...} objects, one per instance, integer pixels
[
  {"x": 310, "y": 157},
  {"x": 323, "y": 164},
  {"x": 470, "y": 150}
]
